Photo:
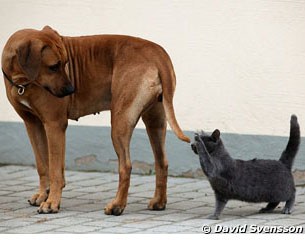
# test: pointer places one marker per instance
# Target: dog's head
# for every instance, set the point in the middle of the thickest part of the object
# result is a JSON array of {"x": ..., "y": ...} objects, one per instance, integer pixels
[{"x": 39, "y": 57}]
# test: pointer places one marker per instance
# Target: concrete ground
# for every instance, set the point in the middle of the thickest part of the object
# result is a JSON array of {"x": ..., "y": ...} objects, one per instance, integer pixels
[{"x": 86, "y": 194}]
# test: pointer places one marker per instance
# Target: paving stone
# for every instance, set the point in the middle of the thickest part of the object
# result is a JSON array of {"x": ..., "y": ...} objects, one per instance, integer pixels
[
  {"x": 23, "y": 194},
  {"x": 96, "y": 196},
  {"x": 195, "y": 222},
  {"x": 15, "y": 182},
  {"x": 200, "y": 210},
  {"x": 61, "y": 214},
  {"x": 147, "y": 194},
  {"x": 72, "y": 194},
  {"x": 67, "y": 203},
  {"x": 268, "y": 216},
  {"x": 190, "y": 201},
  {"x": 242, "y": 221},
  {"x": 135, "y": 207},
  {"x": 171, "y": 198},
  {"x": 158, "y": 213},
  {"x": 101, "y": 224},
  {"x": 14, "y": 223},
  {"x": 127, "y": 218},
  {"x": 286, "y": 222},
  {"x": 6, "y": 215},
  {"x": 147, "y": 224},
  {"x": 8, "y": 199},
  {"x": 13, "y": 206},
  {"x": 184, "y": 205},
  {"x": 139, "y": 200},
  {"x": 175, "y": 217},
  {"x": 298, "y": 216},
  {"x": 89, "y": 207},
  {"x": 69, "y": 221},
  {"x": 18, "y": 188},
  {"x": 36, "y": 228},
  {"x": 79, "y": 229},
  {"x": 118, "y": 230},
  {"x": 95, "y": 215},
  {"x": 241, "y": 212},
  {"x": 169, "y": 229}
]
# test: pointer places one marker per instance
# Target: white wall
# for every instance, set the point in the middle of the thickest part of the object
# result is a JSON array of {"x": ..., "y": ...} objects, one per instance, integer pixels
[{"x": 240, "y": 64}]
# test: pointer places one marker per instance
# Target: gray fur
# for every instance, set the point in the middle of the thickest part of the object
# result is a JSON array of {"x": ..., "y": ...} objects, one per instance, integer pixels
[{"x": 251, "y": 181}]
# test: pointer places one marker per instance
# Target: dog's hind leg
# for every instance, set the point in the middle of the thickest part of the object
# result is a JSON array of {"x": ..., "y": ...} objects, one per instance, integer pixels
[
  {"x": 134, "y": 91},
  {"x": 155, "y": 123},
  {"x": 269, "y": 208},
  {"x": 121, "y": 131},
  {"x": 289, "y": 205},
  {"x": 37, "y": 136}
]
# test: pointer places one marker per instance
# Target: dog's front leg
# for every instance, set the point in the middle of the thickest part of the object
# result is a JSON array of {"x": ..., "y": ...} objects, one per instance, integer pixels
[
  {"x": 55, "y": 132},
  {"x": 37, "y": 136}
]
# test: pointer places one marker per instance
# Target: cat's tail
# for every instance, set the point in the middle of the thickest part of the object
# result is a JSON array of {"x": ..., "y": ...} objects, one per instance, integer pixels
[{"x": 292, "y": 147}]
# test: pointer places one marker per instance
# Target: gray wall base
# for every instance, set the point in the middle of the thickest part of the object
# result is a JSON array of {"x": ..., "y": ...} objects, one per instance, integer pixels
[{"x": 90, "y": 149}]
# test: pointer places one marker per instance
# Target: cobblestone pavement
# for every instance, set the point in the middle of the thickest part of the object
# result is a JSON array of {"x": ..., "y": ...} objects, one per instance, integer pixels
[{"x": 86, "y": 194}]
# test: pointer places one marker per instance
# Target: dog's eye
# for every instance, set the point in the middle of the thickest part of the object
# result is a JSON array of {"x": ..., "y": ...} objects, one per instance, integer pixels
[{"x": 55, "y": 67}]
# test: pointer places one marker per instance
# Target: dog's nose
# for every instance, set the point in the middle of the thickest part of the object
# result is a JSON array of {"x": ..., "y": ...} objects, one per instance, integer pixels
[{"x": 67, "y": 90}]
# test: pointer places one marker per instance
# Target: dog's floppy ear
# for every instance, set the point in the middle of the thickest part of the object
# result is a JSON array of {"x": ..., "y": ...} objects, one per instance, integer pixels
[
  {"x": 50, "y": 30},
  {"x": 53, "y": 34},
  {"x": 216, "y": 135},
  {"x": 45, "y": 28},
  {"x": 29, "y": 58}
]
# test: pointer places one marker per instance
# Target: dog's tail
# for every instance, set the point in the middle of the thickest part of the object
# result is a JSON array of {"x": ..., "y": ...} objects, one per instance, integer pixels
[
  {"x": 292, "y": 147},
  {"x": 168, "y": 81}
]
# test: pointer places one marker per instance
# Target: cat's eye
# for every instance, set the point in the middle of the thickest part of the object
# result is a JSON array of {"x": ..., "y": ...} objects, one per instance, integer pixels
[{"x": 55, "y": 67}]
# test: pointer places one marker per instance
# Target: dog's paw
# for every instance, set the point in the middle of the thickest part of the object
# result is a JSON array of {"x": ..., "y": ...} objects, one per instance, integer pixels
[
  {"x": 38, "y": 198},
  {"x": 49, "y": 207},
  {"x": 157, "y": 204},
  {"x": 114, "y": 208}
]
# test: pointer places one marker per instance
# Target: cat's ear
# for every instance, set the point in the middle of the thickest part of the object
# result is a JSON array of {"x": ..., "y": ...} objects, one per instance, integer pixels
[{"x": 216, "y": 135}]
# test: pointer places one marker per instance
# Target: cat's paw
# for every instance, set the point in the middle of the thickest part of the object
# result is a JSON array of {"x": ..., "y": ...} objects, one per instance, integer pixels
[
  {"x": 194, "y": 148},
  {"x": 265, "y": 210},
  {"x": 213, "y": 217},
  {"x": 286, "y": 211}
]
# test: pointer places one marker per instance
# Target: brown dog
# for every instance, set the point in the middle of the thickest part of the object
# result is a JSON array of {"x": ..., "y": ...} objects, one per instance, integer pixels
[{"x": 130, "y": 76}]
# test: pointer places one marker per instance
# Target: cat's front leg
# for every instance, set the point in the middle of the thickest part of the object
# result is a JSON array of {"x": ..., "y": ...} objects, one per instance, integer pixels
[
  {"x": 204, "y": 156},
  {"x": 220, "y": 205}
]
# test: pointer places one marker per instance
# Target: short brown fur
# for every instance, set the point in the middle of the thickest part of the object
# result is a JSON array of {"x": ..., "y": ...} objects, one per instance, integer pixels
[{"x": 70, "y": 77}]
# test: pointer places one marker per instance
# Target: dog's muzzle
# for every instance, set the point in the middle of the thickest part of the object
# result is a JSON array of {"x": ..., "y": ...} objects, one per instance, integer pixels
[
  {"x": 64, "y": 91},
  {"x": 67, "y": 90}
]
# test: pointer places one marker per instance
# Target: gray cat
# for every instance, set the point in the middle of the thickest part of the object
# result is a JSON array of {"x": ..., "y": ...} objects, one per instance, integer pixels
[{"x": 251, "y": 181}]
